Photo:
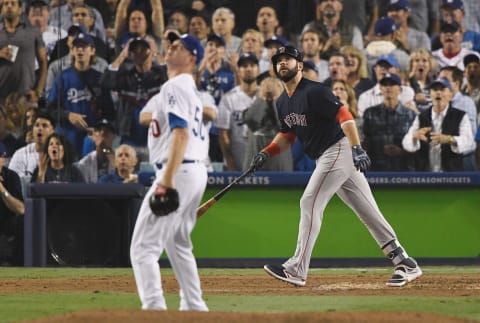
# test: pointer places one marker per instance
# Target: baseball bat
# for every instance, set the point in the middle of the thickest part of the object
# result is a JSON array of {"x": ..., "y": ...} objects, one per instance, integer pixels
[{"x": 208, "y": 204}]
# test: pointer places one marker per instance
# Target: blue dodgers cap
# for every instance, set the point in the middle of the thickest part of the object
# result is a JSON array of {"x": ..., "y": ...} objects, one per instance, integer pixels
[
  {"x": 443, "y": 82},
  {"x": 3, "y": 150},
  {"x": 398, "y": 4},
  {"x": 76, "y": 29},
  {"x": 450, "y": 27},
  {"x": 453, "y": 4},
  {"x": 190, "y": 42},
  {"x": 471, "y": 58},
  {"x": 275, "y": 40},
  {"x": 83, "y": 38},
  {"x": 247, "y": 57},
  {"x": 389, "y": 59},
  {"x": 385, "y": 26},
  {"x": 310, "y": 65},
  {"x": 390, "y": 78},
  {"x": 216, "y": 38}
]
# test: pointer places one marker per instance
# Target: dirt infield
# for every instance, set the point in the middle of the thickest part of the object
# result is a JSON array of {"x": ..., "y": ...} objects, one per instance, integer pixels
[{"x": 348, "y": 285}]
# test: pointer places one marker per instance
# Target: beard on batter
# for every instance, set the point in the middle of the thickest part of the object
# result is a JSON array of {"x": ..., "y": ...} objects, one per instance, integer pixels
[{"x": 289, "y": 75}]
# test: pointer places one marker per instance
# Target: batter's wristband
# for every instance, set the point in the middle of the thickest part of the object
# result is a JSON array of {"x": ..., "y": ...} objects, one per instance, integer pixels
[{"x": 272, "y": 149}]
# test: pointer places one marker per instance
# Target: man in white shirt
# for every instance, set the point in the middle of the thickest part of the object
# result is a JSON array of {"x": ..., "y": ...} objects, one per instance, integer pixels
[
  {"x": 441, "y": 134},
  {"x": 384, "y": 65}
]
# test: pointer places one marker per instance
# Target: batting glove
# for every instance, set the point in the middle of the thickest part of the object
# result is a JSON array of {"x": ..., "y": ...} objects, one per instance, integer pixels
[
  {"x": 258, "y": 161},
  {"x": 361, "y": 161}
]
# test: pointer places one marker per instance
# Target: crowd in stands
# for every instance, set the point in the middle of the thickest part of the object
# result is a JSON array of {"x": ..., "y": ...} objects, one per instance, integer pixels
[{"x": 75, "y": 75}]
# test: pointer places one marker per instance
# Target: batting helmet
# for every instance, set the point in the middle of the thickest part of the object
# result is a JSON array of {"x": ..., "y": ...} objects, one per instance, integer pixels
[
  {"x": 164, "y": 201},
  {"x": 289, "y": 51}
]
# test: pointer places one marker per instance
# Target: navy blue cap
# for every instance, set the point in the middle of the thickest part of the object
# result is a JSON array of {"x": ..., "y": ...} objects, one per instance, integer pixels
[
  {"x": 3, "y": 150},
  {"x": 453, "y": 4},
  {"x": 310, "y": 65},
  {"x": 83, "y": 38},
  {"x": 247, "y": 57},
  {"x": 216, "y": 38},
  {"x": 398, "y": 4},
  {"x": 137, "y": 41},
  {"x": 77, "y": 29},
  {"x": 190, "y": 42},
  {"x": 442, "y": 82},
  {"x": 389, "y": 58},
  {"x": 450, "y": 27},
  {"x": 385, "y": 26},
  {"x": 275, "y": 40},
  {"x": 390, "y": 78},
  {"x": 289, "y": 51},
  {"x": 104, "y": 124}
]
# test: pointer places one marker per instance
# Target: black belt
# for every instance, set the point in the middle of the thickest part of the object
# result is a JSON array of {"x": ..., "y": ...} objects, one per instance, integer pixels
[{"x": 185, "y": 161}]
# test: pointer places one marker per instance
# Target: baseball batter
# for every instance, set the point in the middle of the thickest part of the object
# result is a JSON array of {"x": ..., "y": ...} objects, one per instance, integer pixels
[
  {"x": 310, "y": 112},
  {"x": 175, "y": 142}
]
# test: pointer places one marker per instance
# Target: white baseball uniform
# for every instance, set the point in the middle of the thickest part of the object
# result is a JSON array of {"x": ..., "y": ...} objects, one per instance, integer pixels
[{"x": 152, "y": 234}]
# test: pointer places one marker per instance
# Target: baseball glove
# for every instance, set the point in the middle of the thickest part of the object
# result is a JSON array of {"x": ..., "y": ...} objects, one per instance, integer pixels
[{"x": 164, "y": 201}]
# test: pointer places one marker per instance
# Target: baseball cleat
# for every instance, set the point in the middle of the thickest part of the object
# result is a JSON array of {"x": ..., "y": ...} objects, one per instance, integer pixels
[
  {"x": 279, "y": 272},
  {"x": 403, "y": 275}
]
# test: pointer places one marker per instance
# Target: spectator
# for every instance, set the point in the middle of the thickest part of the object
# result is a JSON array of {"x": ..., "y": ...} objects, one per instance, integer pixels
[
  {"x": 312, "y": 43},
  {"x": 334, "y": 29},
  {"x": 125, "y": 162},
  {"x": 25, "y": 159},
  {"x": 15, "y": 106},
  {"x": 20, "y": 44},
  {"x": 64, "y": 16},
  {"x": 8, "y": 141},
  {"x": 146, "y": 78},
  {"x": 179, "y": 20},
  {"x": 231, "y": 129},
  {"x": 440, "y": 134},
  {"x": 267, "y": 24},
  {"x": 463, "y": 103},
  {"x": 78, "y": 89},
  {"x": 310, "y": 71},
  {"x": 82, "y": 15},
  {"x": 385, "y": 64},
  {"x": 407, "y": 38},
  {"x": 223, "y": 22},
  {"x": 11, "y": 214},
  {"x": 421, "y": 68},
  {"x": 56, "y": 67},
  {"x": 56, "y": 164},
  {"x": 454, "y": 11},
  {"x": 38, "y": 16},
  {"x": 424, "y": 14},
  {"x": 472, "y": 77},
  {"x": 216, "y": 76},
  {"x": 384, "y": 127},
  {"x": 337, "y": 68},
  {"x": 252, "y": 42},
  {"x": 108, "y": 10},
  {"x": 346, "y": 94},
  {"x": 357, "y": 70},
  {"x": 101, "y": 161},
  {"x": 262, "y": 121},
  {"x": 452, "y": 52},
  {"x": 27, "y": 136},
  {"x": 134, "y": 23},
  {"x": 383, "y": 44},
  {"x": 199, "y": 26}
]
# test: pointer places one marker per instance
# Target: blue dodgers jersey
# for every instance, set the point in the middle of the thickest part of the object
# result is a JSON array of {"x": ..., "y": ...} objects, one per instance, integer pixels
[{"x": 311, "y": 114}]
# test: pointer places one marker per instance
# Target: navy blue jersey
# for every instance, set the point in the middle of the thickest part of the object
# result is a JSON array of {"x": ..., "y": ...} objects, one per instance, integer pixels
[{"x": 311, "y": 114}]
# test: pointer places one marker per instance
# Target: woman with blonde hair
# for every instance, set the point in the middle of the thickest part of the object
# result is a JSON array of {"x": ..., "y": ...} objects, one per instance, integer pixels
[
  {"x": 357, "y": 66},
  {"x": 344, "y": 91},
  {"x": 421, "y": 69}
]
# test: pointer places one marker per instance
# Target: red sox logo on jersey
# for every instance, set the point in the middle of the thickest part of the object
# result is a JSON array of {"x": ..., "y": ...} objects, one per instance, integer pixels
[{"x": 295, "y": 119}]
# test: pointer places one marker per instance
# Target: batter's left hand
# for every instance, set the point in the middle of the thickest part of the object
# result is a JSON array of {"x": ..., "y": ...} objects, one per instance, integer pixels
[{"x": 361, "y": 161}]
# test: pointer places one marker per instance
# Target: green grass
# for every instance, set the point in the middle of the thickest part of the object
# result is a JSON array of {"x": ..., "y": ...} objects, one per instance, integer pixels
[{"x": 21, "y": 306}]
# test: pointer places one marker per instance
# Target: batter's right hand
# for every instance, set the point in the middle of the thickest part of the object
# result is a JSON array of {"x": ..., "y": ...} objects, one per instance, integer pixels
[
  {"x": 258, "y": 161},
  {"x": 361, "y": 161}
]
